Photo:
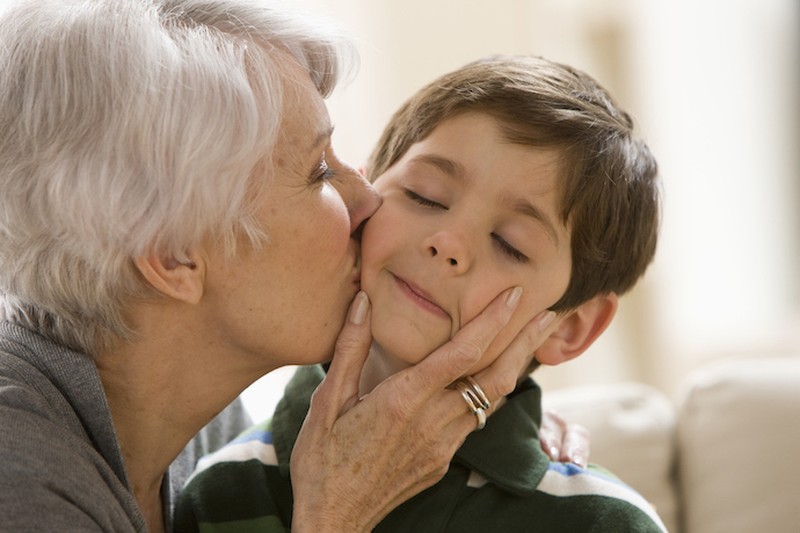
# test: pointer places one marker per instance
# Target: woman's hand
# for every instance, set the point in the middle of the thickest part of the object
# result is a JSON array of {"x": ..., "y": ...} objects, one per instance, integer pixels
[
  {"x": 357, "y": 459},
  {"x": 564, "y": 441}
]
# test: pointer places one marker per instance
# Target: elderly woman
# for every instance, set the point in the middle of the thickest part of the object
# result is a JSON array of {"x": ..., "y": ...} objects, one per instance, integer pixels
[{"x": 174, "y": 224}]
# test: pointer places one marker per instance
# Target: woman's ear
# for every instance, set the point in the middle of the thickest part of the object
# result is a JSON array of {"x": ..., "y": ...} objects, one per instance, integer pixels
[
  {"x": 577, "y": 330},
  {"x": 180, "y": 280}
]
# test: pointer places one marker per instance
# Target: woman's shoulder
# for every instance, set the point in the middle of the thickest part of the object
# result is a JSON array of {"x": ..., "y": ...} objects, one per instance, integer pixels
[{"x": 51, "y": 464}]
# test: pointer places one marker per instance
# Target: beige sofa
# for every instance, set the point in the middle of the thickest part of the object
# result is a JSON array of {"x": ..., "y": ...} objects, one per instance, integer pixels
[{"x": 724, "y": 456}]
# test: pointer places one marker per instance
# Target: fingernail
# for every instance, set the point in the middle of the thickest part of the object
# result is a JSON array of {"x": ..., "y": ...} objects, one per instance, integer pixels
[
  {"x": 359, "y": 310},
  {"x": 578, "y": 460},
  {"x": 513, "y": 297},
  {"x": 546, "y": 320},
  {"x": 554, "y": 453}
]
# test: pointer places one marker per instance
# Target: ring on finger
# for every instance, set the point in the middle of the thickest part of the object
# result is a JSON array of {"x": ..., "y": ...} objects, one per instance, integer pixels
[
  {"x": 478, "y": 391},
  {"x": 472, "y": 392},
  {"x": 478, "y": 411},
  {"x": 475, "y": 398},
  {"x": 481, "y": 414}
]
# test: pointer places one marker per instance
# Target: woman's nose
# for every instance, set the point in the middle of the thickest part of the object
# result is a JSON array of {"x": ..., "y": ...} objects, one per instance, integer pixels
[
  {"x": 450, "y": 250},
  {"x": 360, "y": 197}
]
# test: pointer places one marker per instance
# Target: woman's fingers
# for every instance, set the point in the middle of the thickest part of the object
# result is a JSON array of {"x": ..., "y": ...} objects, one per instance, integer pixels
[
  {"x": 564, "y": 441},
  {"x": 575, "y": 448},
  {"x": 453, "y": 359},
  {"x": 500, "y": 378},
  {"x": 551, "y": 434},
  {"x": 338, "y": 392}
]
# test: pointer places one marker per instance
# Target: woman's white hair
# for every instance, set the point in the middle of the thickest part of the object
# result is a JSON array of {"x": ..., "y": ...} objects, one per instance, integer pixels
[{"x": 131, "y": 127}]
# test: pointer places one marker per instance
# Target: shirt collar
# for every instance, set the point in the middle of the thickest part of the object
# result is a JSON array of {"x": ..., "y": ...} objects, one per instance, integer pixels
[{"x": 507, "y": 451}]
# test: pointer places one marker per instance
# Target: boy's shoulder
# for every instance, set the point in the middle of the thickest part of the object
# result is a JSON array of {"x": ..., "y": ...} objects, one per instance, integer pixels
[
  {"x": 255, "y": 443},
  {"x": 597, "y": 493},
  {"x": 567, "y": 498},
  {"x": 239, "y": 487}
]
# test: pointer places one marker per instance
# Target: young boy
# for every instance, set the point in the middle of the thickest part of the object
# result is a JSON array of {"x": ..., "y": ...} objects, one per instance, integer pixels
[{"x": 509, "y": 171}]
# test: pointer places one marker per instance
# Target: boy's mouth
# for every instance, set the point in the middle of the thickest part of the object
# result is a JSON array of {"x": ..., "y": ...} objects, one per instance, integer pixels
[{"x": 420, "y": 296}]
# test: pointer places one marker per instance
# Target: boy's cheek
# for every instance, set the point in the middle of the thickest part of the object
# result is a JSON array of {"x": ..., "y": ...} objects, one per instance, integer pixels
[
  {"x": 500, "y": 343},
  {"x": 504, "y": 339}
]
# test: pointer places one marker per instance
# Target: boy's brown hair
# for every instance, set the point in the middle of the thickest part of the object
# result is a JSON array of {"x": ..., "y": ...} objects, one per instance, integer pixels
[{"x": 609, "y": 191}]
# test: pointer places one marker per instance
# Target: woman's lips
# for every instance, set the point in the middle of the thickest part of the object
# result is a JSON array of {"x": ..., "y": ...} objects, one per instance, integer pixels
[{"x": 420, "y": 297}]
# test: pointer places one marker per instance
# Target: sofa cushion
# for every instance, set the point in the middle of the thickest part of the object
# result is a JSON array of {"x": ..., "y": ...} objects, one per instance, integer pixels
[{"x": 739, "y": 436}]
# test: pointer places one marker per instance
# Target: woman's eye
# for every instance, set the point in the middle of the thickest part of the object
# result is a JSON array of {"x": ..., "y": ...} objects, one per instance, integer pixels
[
  {"x": 323, "y": 172},
  {"x": 509, "y": 250},
  {"x": 421, "y": 200}
]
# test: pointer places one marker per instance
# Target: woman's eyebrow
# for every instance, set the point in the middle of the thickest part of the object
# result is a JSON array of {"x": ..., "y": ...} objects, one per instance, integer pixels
[{"x": 322, "y": 137}]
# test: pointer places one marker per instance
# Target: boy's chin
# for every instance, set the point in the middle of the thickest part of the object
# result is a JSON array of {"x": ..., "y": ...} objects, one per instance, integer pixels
[{"x": 405, "y": 354}]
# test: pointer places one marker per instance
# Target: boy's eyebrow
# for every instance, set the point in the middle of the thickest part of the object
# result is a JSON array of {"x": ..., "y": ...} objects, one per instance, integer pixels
[
  {"x": 515, "y": 203},
  {"x": 448, "y": 166},
  {"x": 524, "y": 207}
]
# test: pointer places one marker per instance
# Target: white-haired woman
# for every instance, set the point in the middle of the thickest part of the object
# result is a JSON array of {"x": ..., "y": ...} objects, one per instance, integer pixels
[{"x": 173, "y": 225}]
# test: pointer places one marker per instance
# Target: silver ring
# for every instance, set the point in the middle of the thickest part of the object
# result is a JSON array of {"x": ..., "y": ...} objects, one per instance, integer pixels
[
  {"x": 467, "y": 397},
  {"x": 481, "y": 414},
  {"x": 476, "y": 399},
  {"x": 473, "y": 394},
  {"x": 484, "y": 401}
]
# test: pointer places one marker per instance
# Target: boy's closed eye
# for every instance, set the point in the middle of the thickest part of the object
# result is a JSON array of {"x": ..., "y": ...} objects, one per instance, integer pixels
[
  {"x": 503, "y": 245},
  {"x": 421, "y": 200},
  {"x": 509, "y": 250}
]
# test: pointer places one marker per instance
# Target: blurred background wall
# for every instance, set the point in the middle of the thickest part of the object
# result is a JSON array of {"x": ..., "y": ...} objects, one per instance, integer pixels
[{"x": 715, "y": 88}]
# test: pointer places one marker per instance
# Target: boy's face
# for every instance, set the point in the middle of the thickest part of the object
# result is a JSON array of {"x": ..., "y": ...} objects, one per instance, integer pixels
[{"x": 466, "y": 215}]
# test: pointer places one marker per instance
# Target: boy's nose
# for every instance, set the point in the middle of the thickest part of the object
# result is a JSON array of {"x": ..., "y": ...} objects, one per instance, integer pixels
[
  {"x": 449, "y": 251},
  {"x": 452, "y": 260}
]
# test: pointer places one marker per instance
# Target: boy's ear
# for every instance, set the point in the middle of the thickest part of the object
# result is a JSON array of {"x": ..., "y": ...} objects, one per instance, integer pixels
[
  {"x": 578, "y": 330},
  {"x": 181, "y": 280}
]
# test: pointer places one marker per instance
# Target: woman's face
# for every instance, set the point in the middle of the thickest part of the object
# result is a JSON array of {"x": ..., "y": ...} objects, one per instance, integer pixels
[{"x": 288, "y": 299}]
